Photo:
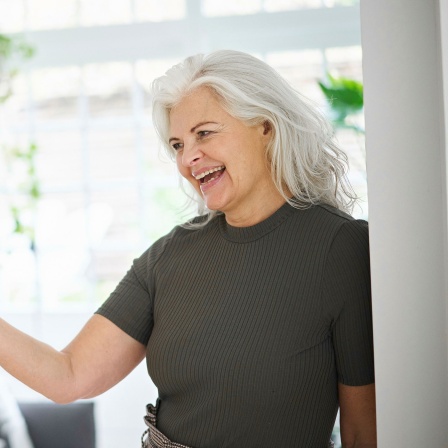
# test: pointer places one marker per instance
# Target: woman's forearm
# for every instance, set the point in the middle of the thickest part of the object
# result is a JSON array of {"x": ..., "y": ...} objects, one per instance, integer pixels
[
  {"x": 99, "y": 356},
  {"x": 36, "y": 364}
]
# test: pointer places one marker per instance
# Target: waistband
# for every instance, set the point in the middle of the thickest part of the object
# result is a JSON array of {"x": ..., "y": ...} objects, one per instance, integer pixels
[{"x": 156, "y": 439}]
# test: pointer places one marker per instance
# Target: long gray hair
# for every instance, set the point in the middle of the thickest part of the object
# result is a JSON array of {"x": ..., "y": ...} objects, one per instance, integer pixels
[{"x": 303, "y": 156}]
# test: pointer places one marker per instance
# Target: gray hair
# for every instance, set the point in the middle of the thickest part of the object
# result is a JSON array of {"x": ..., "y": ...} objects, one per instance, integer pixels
[{"x": 304, "y": 158}]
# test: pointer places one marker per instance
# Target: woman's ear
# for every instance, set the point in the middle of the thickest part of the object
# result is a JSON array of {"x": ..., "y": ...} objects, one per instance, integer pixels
[{"x": 267, "y": 127}]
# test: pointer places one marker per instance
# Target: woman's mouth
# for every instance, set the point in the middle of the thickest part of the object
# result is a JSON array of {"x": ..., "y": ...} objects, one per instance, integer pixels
[{"x": 210, "y": 177}]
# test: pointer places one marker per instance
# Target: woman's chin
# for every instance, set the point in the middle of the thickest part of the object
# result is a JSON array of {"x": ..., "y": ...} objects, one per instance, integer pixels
[
  {"x": 213, "y": 203},
  {"x": 212, "y": 206},
  {"x": 217, "y": 194}
]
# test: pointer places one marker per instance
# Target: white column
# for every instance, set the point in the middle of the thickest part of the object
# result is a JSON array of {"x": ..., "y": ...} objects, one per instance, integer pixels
[
  {"x": 406, "y": 167},
  {"x": 444, "y": 46}
]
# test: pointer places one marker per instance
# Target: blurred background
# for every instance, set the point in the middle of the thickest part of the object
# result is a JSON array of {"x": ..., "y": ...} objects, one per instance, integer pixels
[{"x": 84, "y": 188}]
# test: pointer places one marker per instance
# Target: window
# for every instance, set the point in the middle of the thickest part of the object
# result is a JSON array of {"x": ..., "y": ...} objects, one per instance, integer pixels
[{"x": 106, "y": 190}]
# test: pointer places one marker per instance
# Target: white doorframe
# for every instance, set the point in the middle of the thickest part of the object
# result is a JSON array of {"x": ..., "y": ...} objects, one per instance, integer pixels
[{"x": 406, "y": 167}]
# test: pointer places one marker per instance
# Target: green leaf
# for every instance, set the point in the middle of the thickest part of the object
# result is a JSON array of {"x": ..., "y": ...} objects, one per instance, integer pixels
[
  {"x": 35, "y": 191},
  {"x": 344, "y": 96},
  {"x": 6, "y": 46}
]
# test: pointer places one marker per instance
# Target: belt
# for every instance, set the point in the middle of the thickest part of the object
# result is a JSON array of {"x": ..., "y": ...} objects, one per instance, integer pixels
[{"x": 154, "y": 438}]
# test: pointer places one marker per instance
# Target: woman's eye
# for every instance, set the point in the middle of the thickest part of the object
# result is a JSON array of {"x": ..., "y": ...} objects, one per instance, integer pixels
[
  {"x": 177, "y": 146},
  {"x": 204, "y": 133}
]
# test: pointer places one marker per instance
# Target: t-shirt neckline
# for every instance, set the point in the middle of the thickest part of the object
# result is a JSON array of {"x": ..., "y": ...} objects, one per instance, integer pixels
[{"x": 251, "y": 233}]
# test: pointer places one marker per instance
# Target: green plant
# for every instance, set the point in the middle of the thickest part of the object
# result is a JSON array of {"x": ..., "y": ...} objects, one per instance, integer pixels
[
  {"x": 345, "y": 99},
  {"x": 13, "y": 52},
  {"x": 28, "y": 191}
]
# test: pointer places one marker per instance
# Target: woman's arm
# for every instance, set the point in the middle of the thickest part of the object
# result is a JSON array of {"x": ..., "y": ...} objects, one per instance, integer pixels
[
  {"x": 358, "y": 416},
  {"x": 98, "y": 358}
]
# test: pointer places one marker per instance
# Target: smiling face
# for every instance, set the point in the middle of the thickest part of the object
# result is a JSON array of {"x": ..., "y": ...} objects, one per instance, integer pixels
[{"x": 224, "y": 159}]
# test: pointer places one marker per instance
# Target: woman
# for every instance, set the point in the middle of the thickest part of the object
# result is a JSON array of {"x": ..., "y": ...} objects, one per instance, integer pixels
[{"x": 254, "y": 317}]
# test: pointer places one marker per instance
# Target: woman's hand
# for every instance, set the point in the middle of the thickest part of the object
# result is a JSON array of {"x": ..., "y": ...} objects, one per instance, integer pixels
[{"x": 98, "y": 358}]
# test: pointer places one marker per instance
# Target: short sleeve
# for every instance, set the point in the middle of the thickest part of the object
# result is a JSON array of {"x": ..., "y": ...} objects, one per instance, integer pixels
[
  {"x": 347, "y": 289},
  {"x": 130, "y": 306}
]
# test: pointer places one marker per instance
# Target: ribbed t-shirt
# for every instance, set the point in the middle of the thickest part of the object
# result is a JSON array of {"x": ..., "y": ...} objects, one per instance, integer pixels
[{"x": 249, "y": 330}]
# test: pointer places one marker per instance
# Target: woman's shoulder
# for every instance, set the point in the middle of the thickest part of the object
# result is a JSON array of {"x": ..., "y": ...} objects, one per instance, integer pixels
[
  {"x": 330, "y": 217},
  {"x": 326, "y": 216},
  {"x": 346, "y": 233},
  {"x": 335, "y": 214},
  {"x": 327, "y": 224}
]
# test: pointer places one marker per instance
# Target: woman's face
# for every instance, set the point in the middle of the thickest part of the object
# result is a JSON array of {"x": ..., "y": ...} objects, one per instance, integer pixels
[{"x": 223, "y": 159}]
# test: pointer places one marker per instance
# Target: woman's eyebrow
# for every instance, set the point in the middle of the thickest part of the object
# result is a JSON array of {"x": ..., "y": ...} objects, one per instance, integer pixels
[
  {"x": 200, "y": 124},
  {"x": 194, "y": 129}
]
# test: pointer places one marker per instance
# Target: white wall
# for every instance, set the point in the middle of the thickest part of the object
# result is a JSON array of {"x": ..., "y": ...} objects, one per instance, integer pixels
[{"x": 406, "y": 167}]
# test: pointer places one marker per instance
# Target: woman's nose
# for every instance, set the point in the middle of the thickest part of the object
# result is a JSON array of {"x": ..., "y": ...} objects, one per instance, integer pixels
[{"x": 191, "y": 154}]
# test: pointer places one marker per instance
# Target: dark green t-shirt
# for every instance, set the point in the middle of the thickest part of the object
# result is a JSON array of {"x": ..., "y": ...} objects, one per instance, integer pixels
[{"x": 249, "y": 330}]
